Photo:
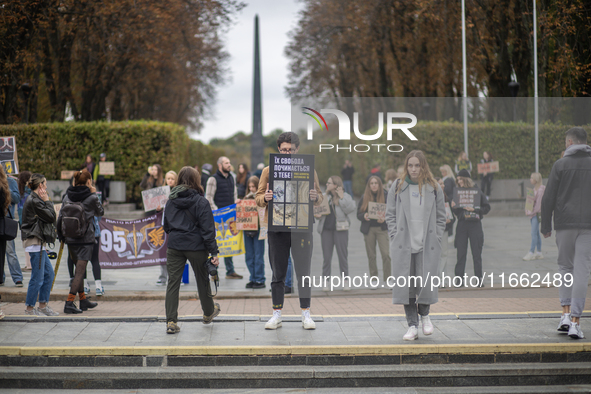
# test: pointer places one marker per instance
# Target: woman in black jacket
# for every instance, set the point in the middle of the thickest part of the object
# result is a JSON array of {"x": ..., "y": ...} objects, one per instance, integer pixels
[
  {"x": 188, "y": 221},
  {"x": 37, "y": 212},
  {"x": 79, "y": 247},
  {"x": 374, "y": 230}
]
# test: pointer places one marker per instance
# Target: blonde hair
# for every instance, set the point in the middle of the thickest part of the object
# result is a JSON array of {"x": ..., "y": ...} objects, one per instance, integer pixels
[
  {"x": 468, "y": 182},
  {"x": 425, "y": 175},
  {"x": 537, "y": 177},
  {"x": 391, "y": 175},
  {"x": 171, "y": 173},
  {"x": 448, "y": 170}
]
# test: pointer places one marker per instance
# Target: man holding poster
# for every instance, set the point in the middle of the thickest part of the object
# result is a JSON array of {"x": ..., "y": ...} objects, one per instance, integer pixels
[{"x": 281, "y": 242}]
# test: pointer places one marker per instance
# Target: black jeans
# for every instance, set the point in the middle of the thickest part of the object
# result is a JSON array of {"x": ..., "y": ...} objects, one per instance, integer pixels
[
  {"x": 280, "y": 244},
  {"x": 175, "y": 264},
  {"x": 469, "y": 230},
  {"x": 104, "y": 186},
  {"x": 486, "y": 183}
]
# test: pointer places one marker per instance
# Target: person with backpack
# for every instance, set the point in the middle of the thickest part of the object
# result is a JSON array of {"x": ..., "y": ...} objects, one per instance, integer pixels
[
  {"x": 415, "y": 214},
  {"x": 188, "y": 221},
  {"x": 76, "y": 227}
]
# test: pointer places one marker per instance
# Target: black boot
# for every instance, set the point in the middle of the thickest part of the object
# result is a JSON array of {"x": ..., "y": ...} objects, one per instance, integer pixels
[
  {"x": 70, "y": 307},
  {"x": 85, "y": 304}
]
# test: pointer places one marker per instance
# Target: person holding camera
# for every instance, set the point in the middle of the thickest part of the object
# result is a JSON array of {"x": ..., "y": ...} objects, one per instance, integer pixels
[
  {"x": 38, "y": 212},
  {"x": 188, "y": 221}
]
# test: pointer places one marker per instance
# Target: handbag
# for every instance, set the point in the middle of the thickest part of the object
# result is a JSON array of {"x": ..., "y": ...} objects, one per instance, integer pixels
[{"x": 8, "y": 228}]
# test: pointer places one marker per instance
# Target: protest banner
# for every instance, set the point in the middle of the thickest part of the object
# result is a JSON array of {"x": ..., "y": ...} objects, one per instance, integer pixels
[
  {"x": 376, "y": 210},
  {"x": 322, "y": 209},
  {"x": 530, "y": 198},
  {"x": 492, "y": 166},
  {"x": 106, "y": 168},
  {"x": 247, "y": 215},
  {"x": 132, "y": 243},
  {"x": 291, "y": 177},
  {"x": 468, "y": 197},
  {"x": 264, "y": 229},
  {"x": 155, "y": 198},
  {"x": 230, "y": 240},
  {"x": 8, "y": 156},
  {"x": 67, "y": 175}
]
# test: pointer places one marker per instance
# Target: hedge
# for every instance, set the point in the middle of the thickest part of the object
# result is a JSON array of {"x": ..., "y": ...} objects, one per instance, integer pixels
[
  {"x": 50, "y": 148},
  {"x": 512, "y": 144}
]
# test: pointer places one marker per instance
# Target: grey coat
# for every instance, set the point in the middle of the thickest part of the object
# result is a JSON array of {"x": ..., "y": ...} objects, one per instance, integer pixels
[
  {"x": 342, "y": 211},
  {"x": 397, "y": 218}
]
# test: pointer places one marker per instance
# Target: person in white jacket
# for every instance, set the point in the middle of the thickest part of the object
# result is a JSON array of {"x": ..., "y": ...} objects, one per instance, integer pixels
[{"x": 334, "y": 228}]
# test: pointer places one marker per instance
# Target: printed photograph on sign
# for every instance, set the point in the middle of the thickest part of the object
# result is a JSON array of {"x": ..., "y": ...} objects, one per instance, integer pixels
[
  {"x": 303, "y": 191},
  {"x": 7, "y": 145},
  {"x": 303, "y": 213},
  {"x": 278, "y": 191},
  {"x": 291, "y": 191},
  {"x": 8, "y": 155},
  {"x": 278, "y": 213},
  {"x": 290, "y": 214},
  {"x": 155, "y": 198},
  {"x": 9, "y": 167}
]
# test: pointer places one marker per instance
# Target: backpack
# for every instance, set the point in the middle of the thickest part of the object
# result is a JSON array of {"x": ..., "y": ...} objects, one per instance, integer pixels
[{"x": 74, "y": 223}]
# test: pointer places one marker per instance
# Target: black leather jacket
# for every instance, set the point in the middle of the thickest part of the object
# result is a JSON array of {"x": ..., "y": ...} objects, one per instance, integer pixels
[
  {"x": 34, "y": 206},
  {"x": 92, "y": 207}
]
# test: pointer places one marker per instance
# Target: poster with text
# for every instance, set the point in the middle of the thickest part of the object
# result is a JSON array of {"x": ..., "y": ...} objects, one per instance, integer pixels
[
  {"x": 8, "y": 156},
  {"x": 489, "y": 167},
  {"x": 291, "y": 177},
  {"x": 467, "y": 197},
  {"x": 106, "y": 168},
  {"x": 155, "y": 198},
  {"x": 376, "y": 210},
  {"x": 247, "y": 215},
  {"x": 132, "y": 243},
  {"x": 230, "y": 240}
]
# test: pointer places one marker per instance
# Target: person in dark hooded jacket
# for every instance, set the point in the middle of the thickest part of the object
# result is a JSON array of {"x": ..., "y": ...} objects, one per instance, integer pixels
[
  {"x": 188, "y": 221},
  {"x": 80, "y": 249}
]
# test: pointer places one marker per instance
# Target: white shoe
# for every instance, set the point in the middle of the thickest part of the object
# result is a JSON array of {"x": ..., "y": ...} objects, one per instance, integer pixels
[
  {"x": 538, "y": 255},
  {"x": 411, "y": 334},
  {"x": 529, "y": 257},
  {"x": 575, "y": 331},
  {"x": 564, "y": 324},
  {"x": 307, "y": 321},
  {"x": 274, "y": 322},
  {"x": 427, "y": 325}
]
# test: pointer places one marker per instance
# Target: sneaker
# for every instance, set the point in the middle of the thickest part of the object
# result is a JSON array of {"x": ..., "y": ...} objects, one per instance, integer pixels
[
  {"x": 427, "y": 325},
  {"x": 101, "y": 291},
  {"x": 47, "y": 311},
  {"x": 258, "y": 285},
  {"x": 274, "y": 322},
  {"x": 216, "y": 311},
  {"x": 172, "y": 328},
  {"x": 529, "y": 257},
  {"x": 411, "y": 334},
  {"x": 575, "y": 331},
  {"x": 287, "y": 290},
  {"x": 33, "y": 311},
  {"x": 233, "y": 275},
  {"x": 249, "y": 285},
  {"x": 538, "y": 255},
  {"x": 160, "y": 282},
  {"x": 307, "y": 321},
  {"x": 19, "y": 284},
  {"x": 86, "y": 290},
  {"x": 564, "y": 324}
]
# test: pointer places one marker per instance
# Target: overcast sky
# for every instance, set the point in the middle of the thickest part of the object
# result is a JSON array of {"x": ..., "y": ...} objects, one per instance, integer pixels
[{"x": 233, "y": 109}]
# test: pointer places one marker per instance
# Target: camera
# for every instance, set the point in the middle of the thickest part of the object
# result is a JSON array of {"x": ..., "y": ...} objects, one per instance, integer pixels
[{"x": 211, "y": 269}]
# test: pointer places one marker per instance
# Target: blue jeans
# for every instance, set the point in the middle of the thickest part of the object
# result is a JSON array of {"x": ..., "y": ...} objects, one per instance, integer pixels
[
  {"x": 255, "y": 257},
  {"x": 229, "y": 265},
  {"x": 41, "y": 278},
  {"x": 348, "y": 186},
  {"x": 536, "y": 238},
  {"x": 288, "y": 274},
  {"x": 13, "y": 264}
]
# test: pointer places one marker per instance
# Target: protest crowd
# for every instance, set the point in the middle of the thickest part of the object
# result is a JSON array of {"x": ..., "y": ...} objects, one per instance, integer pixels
[{"x": 408, "y": 215}]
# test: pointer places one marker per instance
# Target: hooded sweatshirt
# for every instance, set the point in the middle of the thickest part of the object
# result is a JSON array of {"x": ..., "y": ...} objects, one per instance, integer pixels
[
  {"x": 568, "y": 191},
  {"x": 188, "y": 221}
]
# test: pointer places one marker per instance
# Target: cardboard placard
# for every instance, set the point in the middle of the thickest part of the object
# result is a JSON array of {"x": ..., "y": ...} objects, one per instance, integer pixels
[
  {"x": 106, "y": 168},
  {"x": 155, "y": 198},
  {"x": 493, "y": 166},
  {"x": 530, "y": 198},
  {"x": 67, "y": 175},
  {"x": 322, "y": 209},
  {"x": 247, "y": 215},
  {"x": 264, "y": 228},
  {"x": 8, "y": 156},
  {"x": 448, "y": 215},
  {"x": 376, "y": 210}
]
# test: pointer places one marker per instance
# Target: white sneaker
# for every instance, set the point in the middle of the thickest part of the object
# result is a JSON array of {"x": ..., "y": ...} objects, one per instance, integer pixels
[
  {"x": 529, "y": 256},
  {"x": 411, "y": 334},
  {"x": 427, "y": 325},
  {"x": 307, "y": 321},
  {"x": 538, "y": 255},
  {"x": 564, "y": 324},
  {"x": 274, "y": 322},
  {"x": 575, "y": 331}
]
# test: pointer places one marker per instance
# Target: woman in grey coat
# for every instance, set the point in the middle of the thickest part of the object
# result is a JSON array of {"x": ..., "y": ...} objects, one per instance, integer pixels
[
  {"x": 334, "y": 228},
  {"x": 415, "y": 216}
]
